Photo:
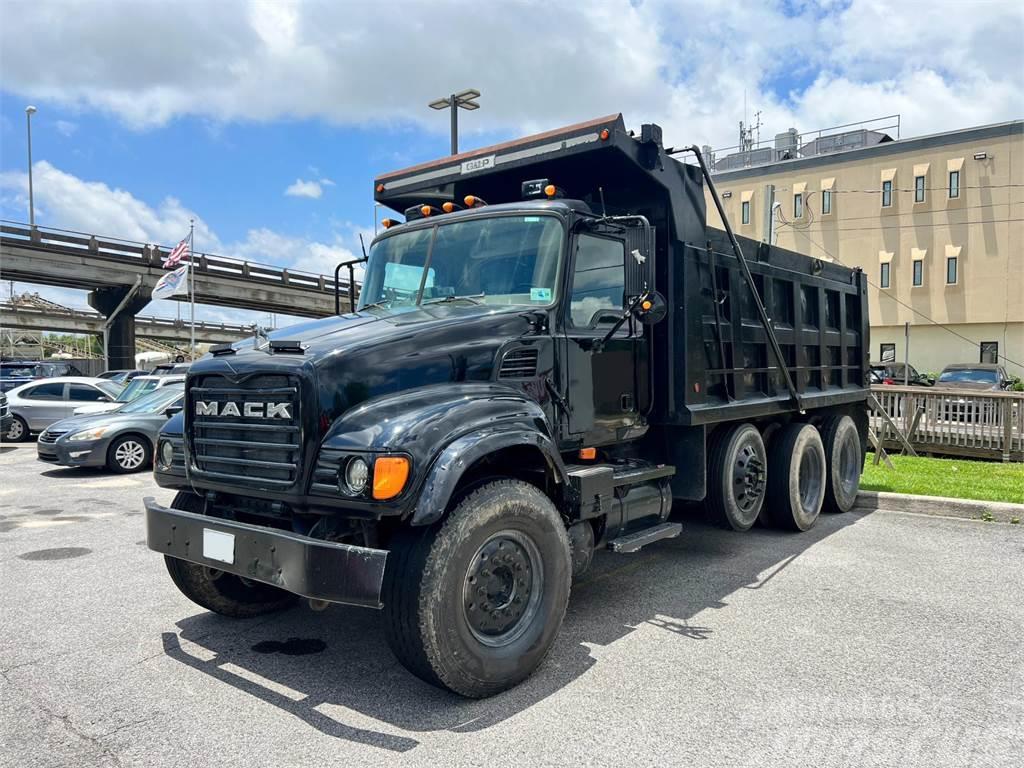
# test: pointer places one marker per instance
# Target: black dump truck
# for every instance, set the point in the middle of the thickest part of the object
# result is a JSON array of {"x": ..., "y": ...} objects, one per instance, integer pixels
[{"x": 549, "y": 351}]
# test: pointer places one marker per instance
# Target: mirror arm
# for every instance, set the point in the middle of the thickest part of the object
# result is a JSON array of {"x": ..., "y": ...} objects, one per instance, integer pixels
[{"x": 626, "y": 314}]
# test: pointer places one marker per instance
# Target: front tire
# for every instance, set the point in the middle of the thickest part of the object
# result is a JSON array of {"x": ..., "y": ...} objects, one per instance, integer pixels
[
  {"x": 217, "y": 591},
  {"x": 474, "y": 603},
  {"x": 17, "y": 432},
  {"x": 796, "y": 477}
]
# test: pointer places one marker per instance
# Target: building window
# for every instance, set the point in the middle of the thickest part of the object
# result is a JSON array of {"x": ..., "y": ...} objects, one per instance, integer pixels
[
  {"x": 886, "y": 194},
  {"x": 798, "y": 205},
  {"x": 745, "y": 211},
  {"x": 989, "y": 352},
  {"x": 887, "y": 353},
  {"x": 919, "y": 189},
  {"x": 951, "y": 270},
  {"x": 954, "y": 184},
  {"x": 883, "y": 279},
  {"x": 918, "y": 273},
  {"x": 826, "y": 202}
]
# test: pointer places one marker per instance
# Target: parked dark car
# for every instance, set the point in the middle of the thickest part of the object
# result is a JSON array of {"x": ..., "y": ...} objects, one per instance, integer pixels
[
  {"x": 897, "y": 373},
  {"x": 122, "y": 376},
  {"x": 5, "y": 415},
  {"x": 121, "y": 440},
  {"x": 14, "y": 373},
  {"x": 977, "y": 379}
]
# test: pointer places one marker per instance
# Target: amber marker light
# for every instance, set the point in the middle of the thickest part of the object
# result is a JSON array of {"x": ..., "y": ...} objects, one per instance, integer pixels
[
  {"x": 472, "y": 201},
  {"x": 388, "y": 223},
  {"x": 588, "y": 453},
  {"x": 448, "y": 207},
  {"x": 647, "y": 306},
  {"x": 425, "y": 210},
  {"x": 550, "y": 190},
  {"x": 389, "y": 476},
  {"x": 605, "y": 133},
  {"x": 380, "y": 187}
]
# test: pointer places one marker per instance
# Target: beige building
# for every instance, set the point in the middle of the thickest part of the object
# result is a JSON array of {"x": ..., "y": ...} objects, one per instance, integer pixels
[{"x": 936, "y": 222}]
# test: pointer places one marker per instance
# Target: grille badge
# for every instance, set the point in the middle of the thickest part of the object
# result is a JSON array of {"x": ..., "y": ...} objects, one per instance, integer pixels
[{"x": 249, "y": 410}]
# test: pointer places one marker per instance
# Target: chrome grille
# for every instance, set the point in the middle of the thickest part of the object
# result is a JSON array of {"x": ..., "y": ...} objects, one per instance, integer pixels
[
  {"x": 519, "y": 364},
  {"x": 250, "y": 450},
  {"x": 50, "y": 436}
]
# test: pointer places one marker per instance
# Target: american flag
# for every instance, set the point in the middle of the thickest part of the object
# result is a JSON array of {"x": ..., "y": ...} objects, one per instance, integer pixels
[{"x": 179, "y": 254}]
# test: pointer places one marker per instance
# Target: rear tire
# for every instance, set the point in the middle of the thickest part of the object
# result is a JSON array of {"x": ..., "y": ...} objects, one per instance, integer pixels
[
  {"x": 844, "y": 459},
  {"x": 474, "y": 603},
  {"x": 796, "y": 477},
  {"x": 221, "y": 592},
  {"x": 129, "y": 453},
  {"x": 736, "y": 477},
  {"x": 17, "y": 432}
]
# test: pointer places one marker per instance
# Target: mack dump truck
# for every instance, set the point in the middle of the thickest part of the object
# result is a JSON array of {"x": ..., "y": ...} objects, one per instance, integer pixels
[{"x": 549, "y": 351}]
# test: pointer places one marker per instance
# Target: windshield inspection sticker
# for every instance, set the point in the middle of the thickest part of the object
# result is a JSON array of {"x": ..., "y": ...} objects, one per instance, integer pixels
[{"x": 540, "y": 294}]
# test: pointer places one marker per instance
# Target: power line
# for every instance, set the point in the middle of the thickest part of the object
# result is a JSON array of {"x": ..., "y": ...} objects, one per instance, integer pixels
[{"x": 903, "y": 303}]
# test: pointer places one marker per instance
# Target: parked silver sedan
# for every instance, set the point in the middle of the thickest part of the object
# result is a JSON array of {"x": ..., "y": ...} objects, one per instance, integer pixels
[
  {"x": 122, "y": 440},
  {"x": 36, "y": 405}
]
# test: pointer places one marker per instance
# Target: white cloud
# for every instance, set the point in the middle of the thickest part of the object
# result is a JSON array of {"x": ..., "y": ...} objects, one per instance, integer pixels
[
  {"x": 66, "y": 128},
  {"x": 72, "y": 203},
  {"x": 538, "y": 64},
  {"x": 301, "y": 188}
]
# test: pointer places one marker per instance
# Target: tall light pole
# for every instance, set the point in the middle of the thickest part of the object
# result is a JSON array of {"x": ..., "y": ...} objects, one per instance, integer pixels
[
  {"x": 29, "y": 111},
  {"x": 463, "y": 100}
]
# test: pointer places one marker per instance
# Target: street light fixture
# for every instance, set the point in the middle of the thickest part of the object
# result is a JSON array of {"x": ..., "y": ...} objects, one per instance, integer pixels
[
  {"x": 463, "y": 100},
  {"x": 29, "y": 111}
]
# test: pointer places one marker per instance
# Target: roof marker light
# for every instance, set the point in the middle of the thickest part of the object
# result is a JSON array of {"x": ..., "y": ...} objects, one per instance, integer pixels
[
  {"x": 389, "y": 223},
  {"x": 604, "y": 134},
  {"x": 380, "y": 187},
  {"x": 449, "y": 206},
  {"x": 472, "y": 201}
]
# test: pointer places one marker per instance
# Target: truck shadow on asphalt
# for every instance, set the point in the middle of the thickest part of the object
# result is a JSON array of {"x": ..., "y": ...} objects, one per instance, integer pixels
[{"x": 350, "y": 684}]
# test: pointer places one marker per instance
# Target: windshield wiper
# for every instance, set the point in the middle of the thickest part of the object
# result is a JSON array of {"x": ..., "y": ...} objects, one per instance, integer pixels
[
  {"x": 448, "y": 299},
  {"x": 382, "y": 304}
]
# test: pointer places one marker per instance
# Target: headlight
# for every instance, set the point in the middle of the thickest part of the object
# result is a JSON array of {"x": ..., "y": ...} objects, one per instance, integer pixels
[
  {"x": 357, "y": 473},
  {"x": 166, "y": 454},
  {"x": 89, "y": 434}
]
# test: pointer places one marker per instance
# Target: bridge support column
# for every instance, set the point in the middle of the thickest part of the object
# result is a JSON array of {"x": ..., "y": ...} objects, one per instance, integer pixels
[{"x": 126, "y": 302}]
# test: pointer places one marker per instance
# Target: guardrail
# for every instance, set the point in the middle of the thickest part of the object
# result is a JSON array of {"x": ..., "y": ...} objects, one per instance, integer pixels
[
  {"x": 953, "y": 422},
  {"x": 148, "y": 255},
  {"x": 157, "y": 322}
]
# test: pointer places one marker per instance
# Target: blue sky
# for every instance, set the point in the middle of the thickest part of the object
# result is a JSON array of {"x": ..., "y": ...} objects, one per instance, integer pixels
[{"x": 220, "y": 108}]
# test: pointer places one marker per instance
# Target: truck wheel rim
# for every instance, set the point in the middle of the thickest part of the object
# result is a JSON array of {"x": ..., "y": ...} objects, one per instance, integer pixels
[
  {"x": 502, "y": 589},
  {"x": 129, "y": 455},
  {"x": 748, "y": 478},
  {"x": 810, "y": 477}
]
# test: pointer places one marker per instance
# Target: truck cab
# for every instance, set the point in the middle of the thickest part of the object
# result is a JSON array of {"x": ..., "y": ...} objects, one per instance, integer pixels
[{"x": 547, "y": 349}]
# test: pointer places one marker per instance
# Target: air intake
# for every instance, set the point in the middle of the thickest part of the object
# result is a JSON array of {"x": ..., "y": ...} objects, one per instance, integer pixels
[{"x": 519, "y": 364}]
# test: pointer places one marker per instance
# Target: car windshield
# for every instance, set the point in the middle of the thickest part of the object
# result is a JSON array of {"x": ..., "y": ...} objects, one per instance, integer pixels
[
  {"x": 110, "y": 388},
  {"x": 136, "y": 387},
  {"x": 503, "y": 260},
  {"x": 154, "y": 402},
  {"x": 969, "y": 376}
]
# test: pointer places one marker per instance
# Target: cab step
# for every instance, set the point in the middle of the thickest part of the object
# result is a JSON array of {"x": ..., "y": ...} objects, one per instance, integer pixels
[{"x": 631, "y": 542}]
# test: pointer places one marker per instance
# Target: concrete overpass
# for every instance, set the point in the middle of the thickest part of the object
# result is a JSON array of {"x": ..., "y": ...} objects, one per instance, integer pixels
[
  {"x": 121, "y": 274},
  {"x": 19, "y": 317}
]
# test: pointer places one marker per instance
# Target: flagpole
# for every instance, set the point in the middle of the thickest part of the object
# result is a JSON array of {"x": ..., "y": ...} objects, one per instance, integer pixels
[{"x": 192, "y": 292}]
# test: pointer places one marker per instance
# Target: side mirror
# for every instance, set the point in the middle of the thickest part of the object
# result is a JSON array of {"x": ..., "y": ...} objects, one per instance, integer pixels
[
  {"x": 652, "y": 309},
  {"x": 174, "y": 410}
]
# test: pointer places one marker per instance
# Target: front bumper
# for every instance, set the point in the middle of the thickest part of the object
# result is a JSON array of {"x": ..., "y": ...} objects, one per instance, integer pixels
[
  {"x": 86, "y": 453},
  {"x": 313, "y": 568}
]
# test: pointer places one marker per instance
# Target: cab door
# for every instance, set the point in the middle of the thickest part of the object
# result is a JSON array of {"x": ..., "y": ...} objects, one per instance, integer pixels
[{"x": 600, "y": 380}]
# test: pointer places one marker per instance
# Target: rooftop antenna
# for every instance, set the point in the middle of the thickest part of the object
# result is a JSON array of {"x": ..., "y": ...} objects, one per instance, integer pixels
[{"x": 363, "y": 246}]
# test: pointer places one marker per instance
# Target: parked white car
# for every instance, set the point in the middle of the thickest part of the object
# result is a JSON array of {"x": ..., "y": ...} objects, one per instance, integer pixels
[
  {"x": 140, "y": 385},
  {"x": 38, "y": 404}
]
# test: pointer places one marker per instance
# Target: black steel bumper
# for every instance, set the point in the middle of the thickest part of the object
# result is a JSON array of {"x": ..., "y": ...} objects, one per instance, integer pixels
[{"x": 321, "y": 570}]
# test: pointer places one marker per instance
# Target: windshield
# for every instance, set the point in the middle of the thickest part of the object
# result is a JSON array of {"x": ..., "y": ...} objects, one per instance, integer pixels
[
  {"x": 495, "y": 260},
  {"x": 970, "y": 376},
  {"x": 154, "y": 402},
  {"x": 109, "y": 387},
  {"x": 136, "y": 387},
  {"x": 20, "y": 371}
]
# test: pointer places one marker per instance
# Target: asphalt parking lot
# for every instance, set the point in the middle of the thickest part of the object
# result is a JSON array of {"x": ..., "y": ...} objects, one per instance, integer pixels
[{"x": 875, "y": 639}]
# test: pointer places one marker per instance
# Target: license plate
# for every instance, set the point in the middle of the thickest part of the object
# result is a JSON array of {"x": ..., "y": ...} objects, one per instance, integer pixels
[{"x": 218, "y": 546}]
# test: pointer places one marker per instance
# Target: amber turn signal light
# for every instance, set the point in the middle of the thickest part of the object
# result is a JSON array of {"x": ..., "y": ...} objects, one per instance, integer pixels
[
  {"x": 389, "y": 476},
  {"x": 588, "y": 453}
]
